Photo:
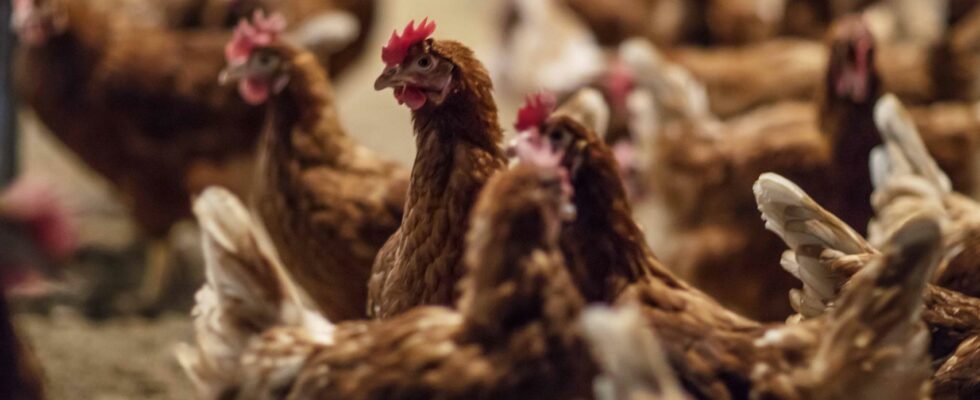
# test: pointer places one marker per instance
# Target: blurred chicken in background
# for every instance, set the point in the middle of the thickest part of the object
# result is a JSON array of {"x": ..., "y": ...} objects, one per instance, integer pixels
[{"x": 142, "y": 106}]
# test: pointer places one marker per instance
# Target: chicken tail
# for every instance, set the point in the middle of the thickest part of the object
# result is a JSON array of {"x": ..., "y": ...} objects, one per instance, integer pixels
[
  {"x": 905, "y": 176},
  {"x": 821, "y": 245},
  {"x": 904, "y": 151},
  {"x": 875, "y": 345},
  {"x": 632, "y": 362},
  {"x": 677, "y": 91},
  {"x": 330, "y": 31},
  {"x": 588, "y": 108},
  {"x": 246, "y": 293}
]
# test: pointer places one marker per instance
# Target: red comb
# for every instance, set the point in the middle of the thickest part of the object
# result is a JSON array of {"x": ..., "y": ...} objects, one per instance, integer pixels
[
  {"x": 261, "y": 31},
  {"x": 536, "y": 109},
  {"x": 396, "y": 49}
]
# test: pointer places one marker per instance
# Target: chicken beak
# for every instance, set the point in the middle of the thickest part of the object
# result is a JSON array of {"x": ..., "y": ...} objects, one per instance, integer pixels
[
  {"x": 233, "y": 74},
  {"x": 391, "y": 77}
]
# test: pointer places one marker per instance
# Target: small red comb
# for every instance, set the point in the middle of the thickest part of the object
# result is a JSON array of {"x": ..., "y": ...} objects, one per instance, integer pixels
[
  {"x": 536, "y": 109},
  {"x": 397, "y": 48},
  {"x": 261, "y": 31}
]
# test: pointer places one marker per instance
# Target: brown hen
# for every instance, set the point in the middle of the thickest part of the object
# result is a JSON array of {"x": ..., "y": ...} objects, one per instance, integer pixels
[
  {"x": 915, "y": 72},
  {"x": 717, "y": 353},
  {"x": 704, "y": 169},
  {"x": 311, "y": 18},
  {"x": 141, "y": 106},
  {"x": 825, "y": 254},
  {"x": 328, "y": 203},
  {"x": 514, "y": 335},
  {"x": 458, "y": 148}
]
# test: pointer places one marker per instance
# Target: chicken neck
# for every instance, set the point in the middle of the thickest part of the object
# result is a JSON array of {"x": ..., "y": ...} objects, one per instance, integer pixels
[
  {"x": 302, "y": 133},
  {"x": 517, "y": 292},
  {"x": 604, "y": 247},
  {"x": 852, "y": 132},
  {"x": 458, "y": 146},
  {"x": 303, "y": 119},
  {"x": 514, "y": 245}
]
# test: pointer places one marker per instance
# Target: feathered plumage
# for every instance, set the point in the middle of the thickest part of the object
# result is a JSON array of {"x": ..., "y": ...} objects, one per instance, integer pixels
[{"x": 514, "y": 335}]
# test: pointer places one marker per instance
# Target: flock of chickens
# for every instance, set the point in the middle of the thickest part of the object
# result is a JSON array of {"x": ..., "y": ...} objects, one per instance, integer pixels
[{"x": 520, "y": 270}]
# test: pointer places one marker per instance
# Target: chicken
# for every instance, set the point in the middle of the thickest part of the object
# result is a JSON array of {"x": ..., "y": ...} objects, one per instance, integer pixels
[
  {"x": 907, "y": 179},
  {"x": 825, "y": 254},
  {"x": 35, "y": 233},
  {"x": 157, "y": 123},
  {"x": 514, "y": 335},
  {"x": 846, "y": 119},
  {"x": 913, "y": 71},
  {"x": 731, "y": 74},
  {"x": 328, "y": 203},
  {"x": 873, "y": 344},
  {"x": 314, "y": 20},
  {"x": 703, "y": 168},
  {"x": 717, "y": 353},
  {"x": 458, "y": 148}
]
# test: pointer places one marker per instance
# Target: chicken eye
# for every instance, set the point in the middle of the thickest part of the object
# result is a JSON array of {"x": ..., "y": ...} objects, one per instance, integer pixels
[
  {"x": 424, "y": 62},
  {"x": 558, "y": 137},
  {"x": 265, "y": 59}
]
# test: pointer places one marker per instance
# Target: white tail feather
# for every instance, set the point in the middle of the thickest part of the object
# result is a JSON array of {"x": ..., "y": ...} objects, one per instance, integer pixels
[
  {"x": 246, "y": 292},
  {"x": 330, "y": 31},
  {"x": 906, "y": 177},
  {"x": 875, "y": 345},
  {"x": 588, "y": 107},
  {"x": 632, "y": 361},
  {"x": 675, "y": 88},
  {"x": 814, "y": 236},
  {"x": 906, "y": 152}
]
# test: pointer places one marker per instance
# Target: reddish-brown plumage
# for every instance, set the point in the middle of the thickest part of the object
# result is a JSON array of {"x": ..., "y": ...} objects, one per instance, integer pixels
[
  {"x": 327, "y": 202},
  {"x": 717, "y": 353},
  {"x": 142, "y": 107},
  {"x": 514, "y": 334},
  {"x": 458, "y": 149}
]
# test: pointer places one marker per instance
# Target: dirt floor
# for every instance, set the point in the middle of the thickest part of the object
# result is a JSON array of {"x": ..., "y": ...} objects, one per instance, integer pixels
[
  {"x": 121, "y": 358},
  {"x": 132, "y": 357}
]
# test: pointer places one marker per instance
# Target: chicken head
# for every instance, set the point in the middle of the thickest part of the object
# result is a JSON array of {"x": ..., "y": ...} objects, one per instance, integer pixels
[
  {"x": 256, "y": 61},
  {"x": 851, "y": 71},
  {"x": 418, "y": 74}
]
